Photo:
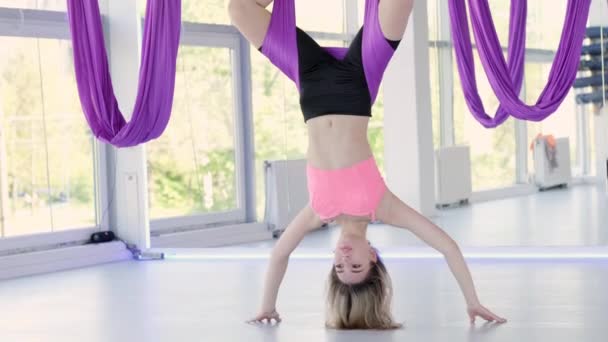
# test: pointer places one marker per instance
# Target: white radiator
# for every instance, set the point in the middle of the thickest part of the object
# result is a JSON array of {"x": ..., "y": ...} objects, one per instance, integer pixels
[
  {"x": 546, "y": 175},
  {"x": 452, "y": 175},
  {"x": 286, "y": 191}
]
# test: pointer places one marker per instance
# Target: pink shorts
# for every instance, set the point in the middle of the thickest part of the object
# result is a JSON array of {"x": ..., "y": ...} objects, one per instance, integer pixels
[{"x": 355, "y": 190}]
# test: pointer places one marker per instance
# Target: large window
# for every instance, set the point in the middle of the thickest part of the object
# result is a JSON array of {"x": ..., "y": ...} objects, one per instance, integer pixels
[
  {"x": 191, "y": 167},
  {"x": 492, "y": 150},
  {"x": 55, "y": 5},
  {"x": 321, "y": 15},
  {"x": 207, "y": 11},
  {"x": 560, "y": 124},
  {"x": 46, "y": 149},
  {"x": 280, "y": 132},
  {"x": 196, "y": 167},
  {"x": 495, "y": 152}
]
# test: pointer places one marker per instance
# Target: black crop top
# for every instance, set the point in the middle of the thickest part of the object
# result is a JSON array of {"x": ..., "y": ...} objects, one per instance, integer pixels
[{"x": 329, "y": 85}]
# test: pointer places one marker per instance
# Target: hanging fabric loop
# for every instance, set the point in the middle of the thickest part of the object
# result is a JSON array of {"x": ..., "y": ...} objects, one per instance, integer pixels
[
  {"x": 500, "y": 75},
  {"x": 466, "y": 65},
  {"x": 156, "y": 75}
]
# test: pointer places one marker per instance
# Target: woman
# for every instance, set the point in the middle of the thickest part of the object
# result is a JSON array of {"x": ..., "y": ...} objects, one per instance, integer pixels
[{"x": 337, "y": 90}]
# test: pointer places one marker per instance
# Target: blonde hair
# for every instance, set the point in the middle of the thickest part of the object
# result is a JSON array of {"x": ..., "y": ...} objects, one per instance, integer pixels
[{"x": 365, "y": 305}]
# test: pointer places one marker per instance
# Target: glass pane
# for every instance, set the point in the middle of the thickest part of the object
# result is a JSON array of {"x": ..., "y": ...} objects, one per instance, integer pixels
[
  {"x": 433, "y": 16},
  {"x": 38, "y": 105},
  {"x": 544, "y": 24},
  {"x": 207, "y": 11},
  {"x": 560, "y": 124},
  {"x": 280, "y": 131},
  {"x": 320, "y": 15},
  {"x": 500, "y": 15},
  {"x": 492, "y": 150},
  {"x": 435, "y": 97},
  {"x": 55, "y": 5},
  {"x": 375, "y": 130},
  {"x": 361, "y": 11},
  {"x": 191, "y": 167},
  {"x": 309, "y": 17}
]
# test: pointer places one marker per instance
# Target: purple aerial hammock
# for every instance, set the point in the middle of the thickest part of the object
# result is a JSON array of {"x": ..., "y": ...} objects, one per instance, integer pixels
[
  {"x": 156, "y": 76},
  {"x": 505, "y": 79}
]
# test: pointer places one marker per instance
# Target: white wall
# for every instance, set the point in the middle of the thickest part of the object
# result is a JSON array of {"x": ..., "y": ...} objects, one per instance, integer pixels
[
  {"x": 408, "y": 131},
  {"x": 129, "y": 175},
  {"x": 598, "y": 15}
]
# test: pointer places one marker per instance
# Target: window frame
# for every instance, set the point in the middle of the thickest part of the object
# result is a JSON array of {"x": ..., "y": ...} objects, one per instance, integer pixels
[
  {"x": 39, "y": 23},
  {"x": 220, "y": 36},
  {"x": 445, "y": 64},
  {"x": 47, "y": 24}
]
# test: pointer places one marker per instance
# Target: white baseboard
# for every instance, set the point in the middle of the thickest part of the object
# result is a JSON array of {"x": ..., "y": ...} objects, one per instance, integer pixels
[
  {"x": 511, "y": 253},
  {"x": 213, "y": 237},
  {"x": 41, "y": 241},
  {"x": 53, "y": 260}
]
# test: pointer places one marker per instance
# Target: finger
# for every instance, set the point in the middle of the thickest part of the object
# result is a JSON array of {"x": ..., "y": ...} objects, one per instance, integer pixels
[
  {"x": 495, "y": 316},
  {"x": 481, "y": 314},
  {"x": 487, "y": 317},
  {"x": 499, "y": 319}
]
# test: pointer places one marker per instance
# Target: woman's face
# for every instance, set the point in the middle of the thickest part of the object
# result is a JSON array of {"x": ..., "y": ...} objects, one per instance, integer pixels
[{"x": 353, "y": 257}]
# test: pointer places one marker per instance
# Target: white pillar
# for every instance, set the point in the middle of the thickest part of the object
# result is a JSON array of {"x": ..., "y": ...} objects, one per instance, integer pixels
[
  {"x": 130, "y": 198},
  {"x": 601, "y": 146},
  {"x": 408, "y": 132},
  {"x": 3, "y": 181},
  {"x": 598, "y": 16}
]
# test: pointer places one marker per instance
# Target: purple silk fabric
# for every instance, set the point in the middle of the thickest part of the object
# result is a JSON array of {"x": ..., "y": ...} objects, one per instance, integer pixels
[
  {"x": 156, "y": 76},
  {"x": 280, "y": 44},
  {"x": 466, "y": 66},
  {"x": 502, "y": 78}
]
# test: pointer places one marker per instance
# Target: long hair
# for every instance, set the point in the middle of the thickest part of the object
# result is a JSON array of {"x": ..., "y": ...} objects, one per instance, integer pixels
[{"x": 365, "y": 305}]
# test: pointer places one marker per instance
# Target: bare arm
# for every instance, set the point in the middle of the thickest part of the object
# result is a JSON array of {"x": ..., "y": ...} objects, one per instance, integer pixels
[
  {"x": 393, "y": 16},
  {"x": 401, "y": 215},
  {"x": 304, "y": 222},
  {"x": 251, "y": 18},
  {"x": 263, "y": 3},
  {"x": 394, "y": 212}
]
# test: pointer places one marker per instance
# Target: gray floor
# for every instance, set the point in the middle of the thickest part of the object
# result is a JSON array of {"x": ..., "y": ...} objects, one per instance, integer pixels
[
  {"x": 173, "y": 300},
  {"x": 577, "y": 216},
  {"x": 209, "y": 300}
]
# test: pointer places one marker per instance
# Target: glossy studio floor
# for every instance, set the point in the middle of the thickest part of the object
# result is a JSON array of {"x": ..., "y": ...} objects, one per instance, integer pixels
[{"x": 198, "y": 299}]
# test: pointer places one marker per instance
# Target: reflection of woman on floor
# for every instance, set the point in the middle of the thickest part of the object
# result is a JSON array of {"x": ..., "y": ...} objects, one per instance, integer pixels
[{"x": 344, "y": 183}]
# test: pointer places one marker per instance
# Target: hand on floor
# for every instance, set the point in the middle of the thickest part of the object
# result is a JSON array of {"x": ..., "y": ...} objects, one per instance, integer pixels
[
  {"x": 481, "y": 311},
  {"x": 268, "y": 316}
]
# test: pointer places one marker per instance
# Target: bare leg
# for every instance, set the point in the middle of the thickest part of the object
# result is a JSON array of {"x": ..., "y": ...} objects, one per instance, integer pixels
[
  {"x": 394, "y": 15},
  {"x": 251, "y": 18}
]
